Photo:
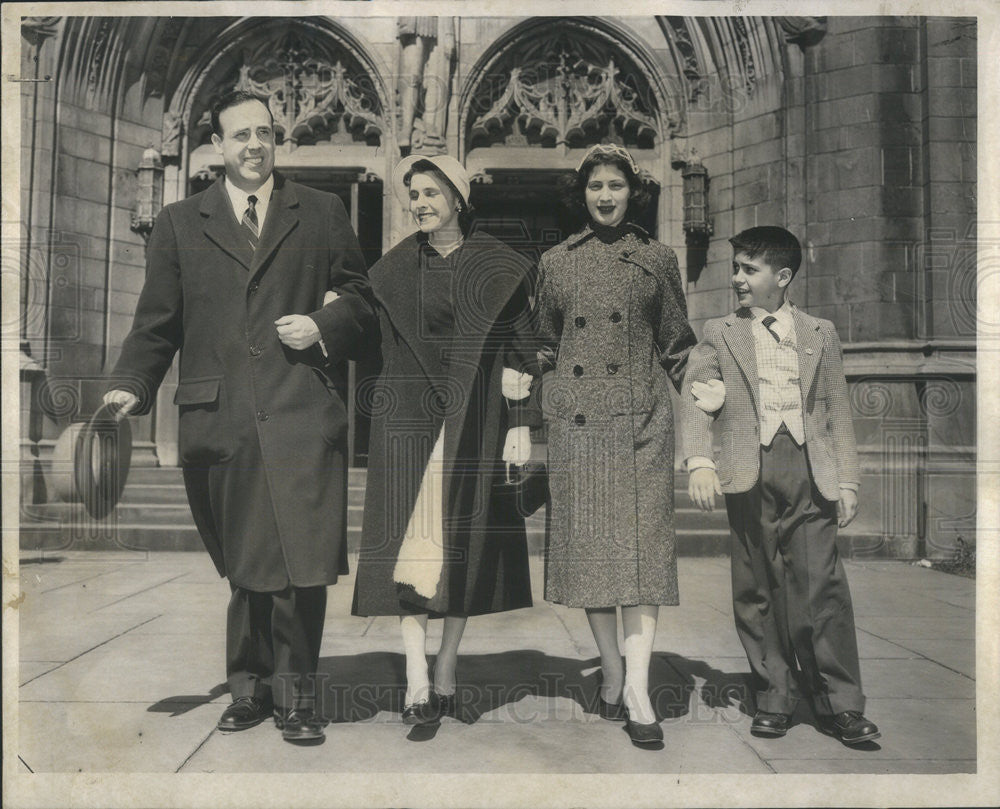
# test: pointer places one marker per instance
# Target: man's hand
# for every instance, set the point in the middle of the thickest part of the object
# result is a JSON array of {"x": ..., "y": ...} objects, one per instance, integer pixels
[
  {"x": 125, "y": 400},
  {"x": 517, "y": 447},
  {"x": 847, "y": 507},
  {"x": 297, "y": 331},
  {"x": 703, "y": 485},
  {"x": 709, "y": 396}
]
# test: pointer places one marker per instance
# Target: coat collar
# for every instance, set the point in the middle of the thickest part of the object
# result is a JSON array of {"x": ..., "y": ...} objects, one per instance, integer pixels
[
  {"x": 808, "y": 345},
  {"x": 223, "y": 229},
  {"x": 635, "y": 234},
  {"x": 483, "y": 284}
]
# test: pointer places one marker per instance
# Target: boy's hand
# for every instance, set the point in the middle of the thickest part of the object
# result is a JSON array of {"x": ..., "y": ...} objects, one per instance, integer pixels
[
  {"x": 703, "y": 485},
  {"x": 709, "y": 396},
  {"x": 847, "y": 507}
]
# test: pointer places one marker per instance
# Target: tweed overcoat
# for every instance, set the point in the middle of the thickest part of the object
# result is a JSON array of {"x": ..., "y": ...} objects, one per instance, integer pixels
[
  {"x": 727, "y": 352},
  {"x": 425, "y": 383},
  {"x": 616, "y": 315},
  {"x": 262, "y": 426}
]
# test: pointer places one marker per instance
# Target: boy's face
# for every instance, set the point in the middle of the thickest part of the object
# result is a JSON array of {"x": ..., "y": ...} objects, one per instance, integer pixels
[{"x": 757, "y": 283}]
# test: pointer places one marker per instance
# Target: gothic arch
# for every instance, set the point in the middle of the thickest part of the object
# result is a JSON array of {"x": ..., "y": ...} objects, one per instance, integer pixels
[
  {"x": 341, "y": 86},
  {"x": 612, "y": 67}
]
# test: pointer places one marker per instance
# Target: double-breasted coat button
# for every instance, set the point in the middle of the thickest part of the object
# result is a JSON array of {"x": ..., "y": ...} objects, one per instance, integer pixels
[
  {"x": 254, "y": 286},
  {"x": 613, "y": 367},
  {"x": 254, "y": 350},
  {"x": 262, "y": 415},
  {"x": 577, "y": 370},
  {"x": 581, "y": 321},
  {"x": 580, "y": 419},
  {"x": 616, "y": 317}
]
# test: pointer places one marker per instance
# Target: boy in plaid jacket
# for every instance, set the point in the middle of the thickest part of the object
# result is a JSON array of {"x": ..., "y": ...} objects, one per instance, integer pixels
[{"x": 789, "y": 472}]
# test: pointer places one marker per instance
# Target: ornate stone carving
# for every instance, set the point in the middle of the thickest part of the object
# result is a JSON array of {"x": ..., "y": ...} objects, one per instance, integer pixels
[
  {"x": 803, "y": 31},
  {"x": 307, "y": 93},
  {"x": 171, "y": 137},
  {"x": 37, "y": 29},
  {"x": 684, "y": 47},
  {"x": 742, "y": 38},
  {"x": 563, "y": 95}
]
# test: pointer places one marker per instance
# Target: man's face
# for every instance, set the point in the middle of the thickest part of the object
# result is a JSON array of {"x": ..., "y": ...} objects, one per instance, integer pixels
[
  {"x": 246, "y": 144},
  {"x": 757, "y": 283}
]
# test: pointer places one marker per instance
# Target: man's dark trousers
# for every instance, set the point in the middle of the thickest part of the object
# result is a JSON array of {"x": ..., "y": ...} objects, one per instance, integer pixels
[
  {"x": 791, "y": 601},
  {"x": 275, "y": 632}
]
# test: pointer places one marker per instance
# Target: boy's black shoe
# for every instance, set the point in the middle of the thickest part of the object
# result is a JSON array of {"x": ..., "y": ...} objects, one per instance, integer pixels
[
  {"x": 769, "y": 724},
  {"x": 850, "y": 727}
]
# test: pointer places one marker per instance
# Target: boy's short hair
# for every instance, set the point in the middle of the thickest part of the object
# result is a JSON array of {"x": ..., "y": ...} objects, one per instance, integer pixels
[{"x": 778, "y": 246}]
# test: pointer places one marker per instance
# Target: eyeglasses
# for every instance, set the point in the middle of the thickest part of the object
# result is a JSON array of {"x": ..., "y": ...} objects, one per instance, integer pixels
[{"x": 610, "y": 149}]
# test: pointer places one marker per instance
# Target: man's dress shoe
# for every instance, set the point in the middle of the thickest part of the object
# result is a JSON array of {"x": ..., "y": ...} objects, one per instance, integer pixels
[
  {"x": 300, "y": 725},
  {"x": 243, "y": 713},
  {"x": 769, "y": 724},
  {"x": 850, "y": 727}
]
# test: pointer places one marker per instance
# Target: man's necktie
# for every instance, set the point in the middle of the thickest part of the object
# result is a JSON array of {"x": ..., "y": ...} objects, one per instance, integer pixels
[
  {"x": 250, "y": 223},
  {"x": 768, "y": 322}
]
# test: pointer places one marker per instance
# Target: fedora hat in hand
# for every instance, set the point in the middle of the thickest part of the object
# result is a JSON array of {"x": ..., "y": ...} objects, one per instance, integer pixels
[{"x": 102, "y": 454}]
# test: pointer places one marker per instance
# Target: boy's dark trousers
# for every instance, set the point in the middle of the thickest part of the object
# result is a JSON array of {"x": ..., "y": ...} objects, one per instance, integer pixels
[{"x": 790, "y": 596}]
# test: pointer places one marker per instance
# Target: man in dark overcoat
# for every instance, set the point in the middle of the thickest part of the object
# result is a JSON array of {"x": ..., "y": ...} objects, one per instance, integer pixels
[{"x": 236, "y": 281}]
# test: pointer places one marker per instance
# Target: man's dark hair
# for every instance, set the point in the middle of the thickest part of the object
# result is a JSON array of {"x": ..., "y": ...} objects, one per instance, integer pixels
[
  {"x": 778, "y": 247},
  {"x": 573, "y": 186},
  {"x": 234, "y": 99},
  {"x": 464, "y": 209}
]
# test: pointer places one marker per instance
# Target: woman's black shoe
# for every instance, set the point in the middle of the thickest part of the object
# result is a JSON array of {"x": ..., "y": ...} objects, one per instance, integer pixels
[
  {"x": 615, "y": 711},
  {"x": 644, "y": 734},
  {"x": 446, "y": 704},
  {"x": 424, "y": 712}
]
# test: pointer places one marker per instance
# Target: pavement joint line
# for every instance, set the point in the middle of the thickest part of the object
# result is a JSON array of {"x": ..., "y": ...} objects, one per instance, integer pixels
[
  {"x": 580, "y": 649},
  {"x": 369, "y": 625},
  {"x": 195, "y": 751},
  {"x": 25, "y": 763},
  {"x": 77, "y": 581},
  {"x": 140, "y": 592},
  {"x": 86, "y": 651},
  {"x": 919, "y": 655}
]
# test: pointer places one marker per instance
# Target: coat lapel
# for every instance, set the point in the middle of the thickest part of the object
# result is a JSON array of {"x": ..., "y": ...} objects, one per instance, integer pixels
[
  {"x": 809, "y": 343},
  {"x": 282, "y": 218},
  {"x": 739, "y": 338},
  {"x": 221, "y": 225}
]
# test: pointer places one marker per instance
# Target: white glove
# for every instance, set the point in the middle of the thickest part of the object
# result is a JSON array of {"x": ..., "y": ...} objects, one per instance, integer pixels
[
  {"x": 709, "y": 396},
  {"x": 126, "y": 401},
  {"x": 517, "y": 447}
]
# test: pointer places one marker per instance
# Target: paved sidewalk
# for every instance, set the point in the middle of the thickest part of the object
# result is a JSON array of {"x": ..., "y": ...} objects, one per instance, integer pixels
[{"x": 124, "y": 653}]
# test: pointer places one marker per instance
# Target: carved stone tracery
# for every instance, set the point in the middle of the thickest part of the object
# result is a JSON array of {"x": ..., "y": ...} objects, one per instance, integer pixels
[
  {"x": 562, "y": 93},
  {"x": 306, "y": 92}
]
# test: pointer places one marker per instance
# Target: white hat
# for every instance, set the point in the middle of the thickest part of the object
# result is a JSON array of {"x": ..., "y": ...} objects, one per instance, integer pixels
[{"x": 448, "y": 166}]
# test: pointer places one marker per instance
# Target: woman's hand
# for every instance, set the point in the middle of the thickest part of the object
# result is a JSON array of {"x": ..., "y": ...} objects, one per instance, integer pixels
[{"x": 517, "y": 447}]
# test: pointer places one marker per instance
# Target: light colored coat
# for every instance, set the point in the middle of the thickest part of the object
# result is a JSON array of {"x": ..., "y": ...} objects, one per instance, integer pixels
[{"x": 727, "y": 352}]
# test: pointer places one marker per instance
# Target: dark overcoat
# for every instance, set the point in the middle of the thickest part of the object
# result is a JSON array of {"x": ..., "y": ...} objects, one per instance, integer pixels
[
  {"x": 262, "y": 426},
  {"x": 424, "y": 383},
  {"x": 616, "y": 315}
]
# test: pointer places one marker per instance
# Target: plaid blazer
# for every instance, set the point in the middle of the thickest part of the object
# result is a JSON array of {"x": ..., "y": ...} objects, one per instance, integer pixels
[{"x": 727, "y": 352}]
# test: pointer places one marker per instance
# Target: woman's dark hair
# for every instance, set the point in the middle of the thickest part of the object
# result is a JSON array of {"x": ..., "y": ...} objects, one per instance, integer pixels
[
  {"x": 464, "y": 208},
  {"x": 574, "y": 184}
]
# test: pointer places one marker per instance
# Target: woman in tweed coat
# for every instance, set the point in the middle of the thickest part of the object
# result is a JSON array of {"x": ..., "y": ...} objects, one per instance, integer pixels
[{"x": 610, "y": 301}]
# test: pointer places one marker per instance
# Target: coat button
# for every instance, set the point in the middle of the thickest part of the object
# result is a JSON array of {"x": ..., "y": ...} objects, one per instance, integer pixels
[
  {"x": 254, "y": 350},
  {"x": 580, "y": 419},
  {"x": 616, "y": 317},
  {"x": 613, "y": 367},
  {"x": 577, "y": 370},
  {"x": 580, "y": 322},
  {"x": 254, "y": 286},
  {"x": 262, "y": 415}
]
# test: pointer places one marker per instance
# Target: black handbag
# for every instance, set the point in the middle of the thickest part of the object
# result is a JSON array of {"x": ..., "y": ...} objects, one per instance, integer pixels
[{"x": 523, "y": 489}]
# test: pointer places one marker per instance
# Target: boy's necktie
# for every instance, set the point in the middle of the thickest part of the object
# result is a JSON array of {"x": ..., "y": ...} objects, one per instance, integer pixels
[
  {"x": 768, "y": 322},
  {"x": 250, "y": 223}
]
